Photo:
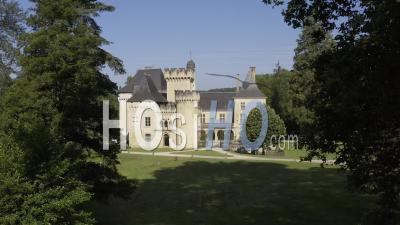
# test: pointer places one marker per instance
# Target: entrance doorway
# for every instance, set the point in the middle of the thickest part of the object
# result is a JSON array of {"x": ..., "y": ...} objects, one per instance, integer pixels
[{"x": 166, "y": 140}]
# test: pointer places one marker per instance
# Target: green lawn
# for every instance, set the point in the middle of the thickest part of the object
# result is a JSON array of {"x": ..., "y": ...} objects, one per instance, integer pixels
[
  {"x": 202, "y": 153},
  {"x": 289, "y": 154},
  {"x": 164, "y": 149},
  {"x": 187, "y": 191}
]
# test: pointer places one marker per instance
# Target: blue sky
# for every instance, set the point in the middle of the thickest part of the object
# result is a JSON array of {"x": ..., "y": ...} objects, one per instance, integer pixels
[{"x": 224, "y": 36}]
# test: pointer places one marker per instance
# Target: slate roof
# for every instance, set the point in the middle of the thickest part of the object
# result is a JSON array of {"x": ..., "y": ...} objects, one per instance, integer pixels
[
  {"x": 156, "y": 75},
  {"x": 222, "y": 99},
  {"x": 128, "y": 88},
  {"x": 150, "y": 83},
  {"x": 251, "y": 91},
  {"x": 147, "y": 90},
  {"x": 190, "y": 65}
]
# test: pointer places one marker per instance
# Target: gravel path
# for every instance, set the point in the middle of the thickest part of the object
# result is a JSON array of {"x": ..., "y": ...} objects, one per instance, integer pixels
[{"x": 232, "y": 156}]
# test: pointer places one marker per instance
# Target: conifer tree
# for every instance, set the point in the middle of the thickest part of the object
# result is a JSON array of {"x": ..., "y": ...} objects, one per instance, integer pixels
[
  {"x": 12, "y": 20},
  {"x": 51, "y": 118}
]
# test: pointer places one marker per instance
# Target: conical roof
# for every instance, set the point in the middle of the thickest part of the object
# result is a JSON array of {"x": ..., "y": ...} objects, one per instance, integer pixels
[{"x": 191, "y": 65}]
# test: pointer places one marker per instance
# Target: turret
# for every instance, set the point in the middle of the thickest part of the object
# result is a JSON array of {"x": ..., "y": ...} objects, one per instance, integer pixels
[
  {"x": 180, "y": 79},
  {"x": 190, "y": 65}
]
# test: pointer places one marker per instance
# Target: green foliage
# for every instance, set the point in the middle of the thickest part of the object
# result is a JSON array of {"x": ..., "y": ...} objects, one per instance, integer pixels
[
  {"x": 312, "y": 43},
  {"x": 357, "y": 94},
  {"x": 276, "y": 125},
  {"x": 290, "y": 93},
  {"x": 24, "y": 202},
  {"x": 253, "y": 124},
  {"x": 5, "y": 82},
  {"x": 52, "y": 198},
  {"x": 52, "y": 114},
  {"x": 12, "y": 20},
  {"x": 279, "y": 96}
]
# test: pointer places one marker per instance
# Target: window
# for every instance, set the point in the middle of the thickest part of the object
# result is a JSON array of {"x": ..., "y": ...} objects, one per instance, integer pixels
[
  {"x": 242, "y": 105},
  {"x": 147, "y": 121},
  {"x": 147, "y": 137},
  {"x": 222, "y": 117},
  {"x": 203, "y": 118}
]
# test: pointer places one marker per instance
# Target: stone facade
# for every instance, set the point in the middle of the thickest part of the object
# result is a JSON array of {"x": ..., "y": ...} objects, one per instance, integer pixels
[{"x": 175, "y": 92}]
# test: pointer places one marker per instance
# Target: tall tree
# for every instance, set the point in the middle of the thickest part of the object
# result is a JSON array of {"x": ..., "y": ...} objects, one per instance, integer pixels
[
  {"x": 51, "y": 117},
  {"x": 277, "y": 89},
  {"x": 357, "y": 87},
  {"x": 12, "y": 20},
  {"x": 312, "y": 43}
]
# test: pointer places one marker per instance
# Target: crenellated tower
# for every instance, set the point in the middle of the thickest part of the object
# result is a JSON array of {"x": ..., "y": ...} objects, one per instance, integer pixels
[{"x": 180, "y": 79}]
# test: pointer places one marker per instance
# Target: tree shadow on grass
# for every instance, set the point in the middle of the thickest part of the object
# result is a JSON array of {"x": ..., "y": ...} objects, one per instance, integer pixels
[{"x": 203, "y": 192}]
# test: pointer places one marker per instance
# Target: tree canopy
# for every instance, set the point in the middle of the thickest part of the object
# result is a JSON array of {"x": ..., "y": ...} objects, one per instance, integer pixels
[
  {"x": 12, "y": 20},
  {"x": 51, "y": 118},
  {"x": 356, "y": 87},
  {"x": 276, "y": 126}
]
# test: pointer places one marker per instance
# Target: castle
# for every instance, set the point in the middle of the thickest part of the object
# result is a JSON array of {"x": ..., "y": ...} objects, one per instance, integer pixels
[{"x": 174, "y": 90}]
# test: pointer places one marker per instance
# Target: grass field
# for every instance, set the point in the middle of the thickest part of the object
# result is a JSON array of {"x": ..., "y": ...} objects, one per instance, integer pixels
[
  {"x": 202, "y": 153},
  {"x": 197, "y": 191},
  {"x": 291, "y": 154},
  {"x": 155, "y": 150}
]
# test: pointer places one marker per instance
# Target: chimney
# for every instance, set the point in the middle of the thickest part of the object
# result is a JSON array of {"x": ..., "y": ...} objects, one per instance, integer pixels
[
  {"x": 237, "y": 83},
  {"x": 252, "y": 73}
]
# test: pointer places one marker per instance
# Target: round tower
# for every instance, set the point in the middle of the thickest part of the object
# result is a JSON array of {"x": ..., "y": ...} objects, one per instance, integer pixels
[{"x": 187, "y": 105}]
